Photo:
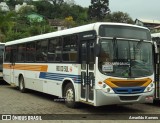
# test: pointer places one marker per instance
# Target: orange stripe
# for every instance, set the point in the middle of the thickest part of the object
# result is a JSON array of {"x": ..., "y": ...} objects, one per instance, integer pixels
[
  {"x": 114, "y": 83},
  {"x": 27, "y": 67}
]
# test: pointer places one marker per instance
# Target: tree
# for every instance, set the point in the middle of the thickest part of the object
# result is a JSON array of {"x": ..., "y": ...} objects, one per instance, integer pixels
[
  {"x": 70, "y": 2},
  {"x": 27, "y": 10},
  {"x": 12, "y": 3},
  {"x": 120, "y": 17},
  {"x": 98, "y": 9},
  {"x": 45, "y": 8},
  {"x": 56, "y": 2},
  {"x": 69, "y": 22},
  {"x": 6, "y": 24}
]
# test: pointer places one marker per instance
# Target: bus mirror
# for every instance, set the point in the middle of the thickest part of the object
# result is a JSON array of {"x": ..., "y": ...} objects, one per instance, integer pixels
[{"x": 97, "y": 50}]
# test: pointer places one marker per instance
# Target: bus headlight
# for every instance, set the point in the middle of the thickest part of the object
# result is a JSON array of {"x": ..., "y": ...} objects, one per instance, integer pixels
[
  {"x": 107, "y": 89},
  {"x": 149, "y": 88}
]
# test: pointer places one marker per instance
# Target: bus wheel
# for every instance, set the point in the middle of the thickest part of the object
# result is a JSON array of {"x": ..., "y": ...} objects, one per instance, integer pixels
[
  {"x": 70, "y": 96},
  {"x": 22, "y": 85}
]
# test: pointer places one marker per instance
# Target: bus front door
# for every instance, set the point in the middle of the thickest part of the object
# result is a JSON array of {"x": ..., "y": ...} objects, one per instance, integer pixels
[{"x": 87, "y": 71}]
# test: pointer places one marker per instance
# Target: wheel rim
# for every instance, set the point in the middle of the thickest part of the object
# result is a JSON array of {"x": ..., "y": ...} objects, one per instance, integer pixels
[{"x": 69, "y": 95}]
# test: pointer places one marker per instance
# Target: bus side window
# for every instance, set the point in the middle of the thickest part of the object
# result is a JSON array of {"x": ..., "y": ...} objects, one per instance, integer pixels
[
  {"x": 70, "y": 48},
  {"x": 30, "y": 52},
  {"x": 21, "y": 52},
  {"x": 13, "y": 57},
  {"x": 54, "y": 49},
  {"x": 7, "y": 54},
  {"x": 41, "y": 50}
]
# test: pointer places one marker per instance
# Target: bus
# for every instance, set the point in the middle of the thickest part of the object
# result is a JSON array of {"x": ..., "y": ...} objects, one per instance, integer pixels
[
  {"x": 156, "y": 39},
  {"x": 97, "y": 64},
  {"x": 1, "y": 59}
]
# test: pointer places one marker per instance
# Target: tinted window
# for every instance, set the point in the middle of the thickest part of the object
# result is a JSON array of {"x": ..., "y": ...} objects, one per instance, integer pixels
[
  {"x": 55, "y": 49},
  {"x": 124, "y": 32},
  {"x": 41, "y": 50},
  {"x": 21, "y": 52},
  {"x": 70, "y": 48},
  {"x": 7, "y": 54},
  {"x": 30, "y": 51}
]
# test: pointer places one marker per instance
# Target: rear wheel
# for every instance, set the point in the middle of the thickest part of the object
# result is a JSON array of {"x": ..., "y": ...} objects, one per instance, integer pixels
[
  {"x": 70, "y": 96},
  {"x": 22, "y": 85}
]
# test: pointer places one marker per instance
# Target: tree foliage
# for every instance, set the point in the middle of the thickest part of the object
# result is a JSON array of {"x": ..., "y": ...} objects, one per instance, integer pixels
[
  {"x": 120, "y": 17},
  {"x": 44, "y": 8},
  {"x": 98, "y": 9},
  {"x": 57, "y": 2},
  {"x": 26, "y": 10},
  {"x": 6, "y": 24},
  {"x": 15, "y": 26}
]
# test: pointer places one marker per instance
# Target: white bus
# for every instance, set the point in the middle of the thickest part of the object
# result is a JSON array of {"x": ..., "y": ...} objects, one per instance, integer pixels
[
  {"x": 156, "y": 39},
  {"x": 98, "y": 64},
  {"x": 1, "y": 59}
]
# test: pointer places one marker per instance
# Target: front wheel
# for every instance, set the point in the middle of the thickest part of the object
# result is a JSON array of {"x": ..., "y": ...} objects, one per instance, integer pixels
[
  {"x": 22, "y": 85},
  {"x": 70, "y": 96}
]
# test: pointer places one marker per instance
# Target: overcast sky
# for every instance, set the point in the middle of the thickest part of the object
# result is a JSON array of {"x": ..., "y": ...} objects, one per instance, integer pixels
[{"x": 142, "y": 9}]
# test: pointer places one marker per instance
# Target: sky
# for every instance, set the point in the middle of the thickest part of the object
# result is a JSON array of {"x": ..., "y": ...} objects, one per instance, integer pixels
[{"x": 141, "y": 9}]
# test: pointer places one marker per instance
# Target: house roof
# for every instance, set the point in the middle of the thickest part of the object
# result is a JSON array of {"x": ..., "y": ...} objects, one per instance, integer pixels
[
  {"x": 56, "y": 22},
  {"x": 149, "y": 21},
  {"x": 35, "y": 16},
  {"x": 157, "y": 27}
]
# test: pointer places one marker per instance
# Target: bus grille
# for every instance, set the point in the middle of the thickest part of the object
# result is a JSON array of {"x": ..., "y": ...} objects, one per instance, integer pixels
[
  {"x": 130, "y": 90},
  {"x": 127, "y": 98}
]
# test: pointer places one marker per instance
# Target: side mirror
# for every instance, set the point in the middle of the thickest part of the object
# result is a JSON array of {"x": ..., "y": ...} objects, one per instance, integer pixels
[{"x": 97, "y": 49}]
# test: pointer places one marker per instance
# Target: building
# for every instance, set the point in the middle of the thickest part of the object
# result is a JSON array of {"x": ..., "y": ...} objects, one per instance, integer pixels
[
  {"x": 151, "y": 24},
  {"x": 4, "y": 6},
  {"x": 34, "y": 17},
  {"x": 157, "y": 29},
  {"x": 57, "y": 24}
]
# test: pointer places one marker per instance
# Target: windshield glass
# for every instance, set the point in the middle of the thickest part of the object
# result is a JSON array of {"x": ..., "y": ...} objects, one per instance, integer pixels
[
  {"x": 123, "y": 58},
  {"x": 124, "y": 32}
]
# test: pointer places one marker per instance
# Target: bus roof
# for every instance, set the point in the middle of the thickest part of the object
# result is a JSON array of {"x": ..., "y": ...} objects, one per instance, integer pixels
[
  {"x": 74, "y": 30},
  {"x": 2, "y": 43}
]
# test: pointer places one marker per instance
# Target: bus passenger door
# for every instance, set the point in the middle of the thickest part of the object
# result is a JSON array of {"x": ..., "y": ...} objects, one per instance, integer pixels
[
  {"x": 12, "y": 65},
  {"x": 87, "y": 71},
  {"x": 157, "y": 74}
]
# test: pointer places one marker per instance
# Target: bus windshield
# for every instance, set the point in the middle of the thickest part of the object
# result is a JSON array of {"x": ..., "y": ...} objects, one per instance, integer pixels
[
  {"x": 125, "y": 58},
  {"x": 124, "y": 32}
]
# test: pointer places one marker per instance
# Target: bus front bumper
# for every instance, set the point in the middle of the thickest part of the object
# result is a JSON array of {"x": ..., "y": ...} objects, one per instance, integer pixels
[{"x": 103, "y": 98}]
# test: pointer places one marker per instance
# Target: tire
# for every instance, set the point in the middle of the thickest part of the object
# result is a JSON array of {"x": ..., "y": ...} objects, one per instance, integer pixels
[
  {"x": 22, "y": 85},
  {"x": 69, "y": 94}
]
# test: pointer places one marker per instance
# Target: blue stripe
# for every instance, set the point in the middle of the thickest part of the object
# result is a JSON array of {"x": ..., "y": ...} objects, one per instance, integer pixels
[
  {"x": 59, "y": 77},
  {"x": 128, "y": 90}
]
